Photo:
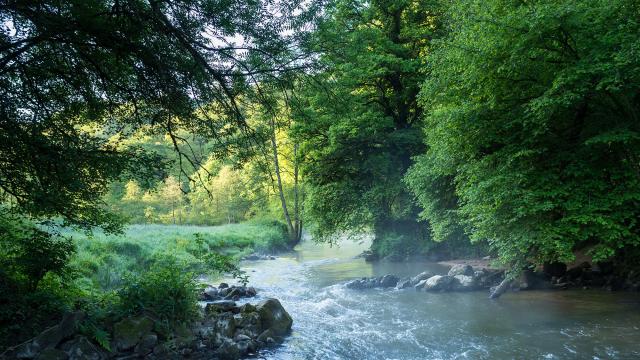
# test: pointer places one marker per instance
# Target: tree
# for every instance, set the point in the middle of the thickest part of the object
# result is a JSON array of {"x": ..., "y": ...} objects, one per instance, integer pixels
[
  {"x": 172, "y": 193},
  {"x": 277, "y": 153},
  {"x": 358, "y": 120},
  {"x": 65, "y": 65},
  {"x": 532, "y": 117}
]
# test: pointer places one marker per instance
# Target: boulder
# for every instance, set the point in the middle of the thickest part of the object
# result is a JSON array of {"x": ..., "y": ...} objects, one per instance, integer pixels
[
  {"x": 146, "y": 344},
  {"x": 420, "y": 285},
  {"x": 128, "y": 332},
  {"x": 251, "y": 291},
  {"x": 247, "y": 308},
  {"x": 223, "y": 286},
  {"x": 530, "y": 280},
  {"x": 464, "y": 283},
  {"x": 241, "y": 337},
  {"x": 360, "y": 284},
  {"x": 225, "y": 325},
  {"x": 439, "y": 283},
  {"x": 210, "y": 293},
  {"x": 461, "y": 269},
  {"x": 49, "y": 338},
  {"x": 273, "y": 316},
  {"x": 82, "y": 349},
  {"x": 577, "y": 271},
  {"x": 228, "y": 350},
  {"x": 388, "y": 281},
  {"x": 219, "y": 306},
  {"x": 403, "y": 284},
  {"x": 240, "y": 292},
  {"x": 422, "y": 276},
  {"x": 486, "y": 278},
  {"x": 248, "y": 323},
  {"x": 52, "y": 354},
  {"x": 269, "y": 337}
]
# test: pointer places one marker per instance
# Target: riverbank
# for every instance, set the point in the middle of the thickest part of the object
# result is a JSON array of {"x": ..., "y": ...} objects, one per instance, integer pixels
[
  {"x": 116, "y": 274},
  {"x": 223, "y": 330},
  {"x": 581, "y": 273}
]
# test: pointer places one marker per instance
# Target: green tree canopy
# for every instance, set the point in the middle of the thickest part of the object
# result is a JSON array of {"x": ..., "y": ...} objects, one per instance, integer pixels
[
  {"x": 532, "y": 116},
  {"x": 115, "y": 65},
  {"x": 359, "y": 115}
]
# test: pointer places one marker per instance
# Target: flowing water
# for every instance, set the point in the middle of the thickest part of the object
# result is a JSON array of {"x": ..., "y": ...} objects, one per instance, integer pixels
[{"x": 332, "y": 322}]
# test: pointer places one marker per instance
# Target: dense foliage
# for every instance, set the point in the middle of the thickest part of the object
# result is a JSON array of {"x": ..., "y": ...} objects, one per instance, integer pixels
[
  {"x": 71, "y": 86},
  {"x": 532, "y": 112},
  {"x": 438, "y": 126},
  {"x": 359, "y": 119}
]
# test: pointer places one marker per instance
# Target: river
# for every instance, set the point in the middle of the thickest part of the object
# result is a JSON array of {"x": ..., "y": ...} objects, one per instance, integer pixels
[{"x": 332, "y": 322}]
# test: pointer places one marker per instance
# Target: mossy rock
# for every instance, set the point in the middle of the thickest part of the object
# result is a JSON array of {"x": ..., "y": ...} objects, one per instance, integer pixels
[
  {"x": 273, "y": 316},
  {"x": 128, "y": 332}
]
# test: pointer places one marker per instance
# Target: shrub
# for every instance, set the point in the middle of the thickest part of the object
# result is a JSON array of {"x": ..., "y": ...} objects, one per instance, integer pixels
[
  {"x": 34, "y": 278},
  {"x": 28, "y": 253},
  {"x": 166, "y": 292}
]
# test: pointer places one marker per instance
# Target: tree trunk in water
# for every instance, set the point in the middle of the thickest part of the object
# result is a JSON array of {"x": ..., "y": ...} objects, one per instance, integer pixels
[{"x": 500, "y": 289}]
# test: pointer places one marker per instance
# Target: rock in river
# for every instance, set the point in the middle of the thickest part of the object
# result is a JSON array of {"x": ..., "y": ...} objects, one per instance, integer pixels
[
  {"x": 274, "y": 316},
  {"x": 386, "y": 281},
  {"x": 461, "y": 269},
  {"x": 439, "y": 283},
  {"x": 464, "y": 283},
  {"x": 422, "y": 276}
]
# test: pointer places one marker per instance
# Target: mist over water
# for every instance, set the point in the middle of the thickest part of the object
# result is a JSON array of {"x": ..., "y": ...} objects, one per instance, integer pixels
[{"x": 332, "y": 322}]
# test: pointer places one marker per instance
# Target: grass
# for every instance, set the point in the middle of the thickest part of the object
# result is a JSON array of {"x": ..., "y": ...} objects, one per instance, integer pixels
[
  {"x": 147, "y": 269},
  {"x": 104, "y": 261}
]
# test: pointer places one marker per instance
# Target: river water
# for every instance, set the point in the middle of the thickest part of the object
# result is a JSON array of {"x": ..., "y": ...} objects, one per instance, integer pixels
[{"x": 332, "y": 322}]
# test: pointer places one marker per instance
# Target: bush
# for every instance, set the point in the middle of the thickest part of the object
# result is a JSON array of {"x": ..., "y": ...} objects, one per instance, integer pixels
[
  {"x": 166, "y": 291},
  {"x": 28, "y": 253},
  {"x": 34, "y": 278}
]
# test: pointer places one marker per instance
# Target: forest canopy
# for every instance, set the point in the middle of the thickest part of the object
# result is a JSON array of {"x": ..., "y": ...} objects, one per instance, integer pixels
[
  {"x": 444, "y": 129},
  {"x": 501, "y": 123}
]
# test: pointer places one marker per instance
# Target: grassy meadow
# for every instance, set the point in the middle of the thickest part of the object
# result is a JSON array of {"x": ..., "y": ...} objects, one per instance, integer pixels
[{"x": 105, "y": 260}]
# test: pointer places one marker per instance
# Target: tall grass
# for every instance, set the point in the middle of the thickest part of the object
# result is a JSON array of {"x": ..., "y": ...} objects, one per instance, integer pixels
[{"x": 105, "y": 260}]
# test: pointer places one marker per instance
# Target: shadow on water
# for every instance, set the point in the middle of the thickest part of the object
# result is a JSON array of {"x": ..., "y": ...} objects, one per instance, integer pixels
[{"x": 332, "y": 322}]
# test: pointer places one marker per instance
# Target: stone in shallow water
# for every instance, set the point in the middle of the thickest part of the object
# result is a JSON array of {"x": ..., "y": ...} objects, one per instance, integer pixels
[
  {"x": 464, "y": 283},
  {"x": 422, "y": 276},
  {"x": 388, "y": 281},
  {"x": 210, "y": 293},
  {"x": 439, "y": 283},
  {"x": 403, "y": 284},
  {"x": 420, "y": 285},
  {"x": 273, "y": 316},
  {"x": 228, "y": 350},
  {"x": 220, "y": 306},
  {"x": 461, "y": 269}
]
